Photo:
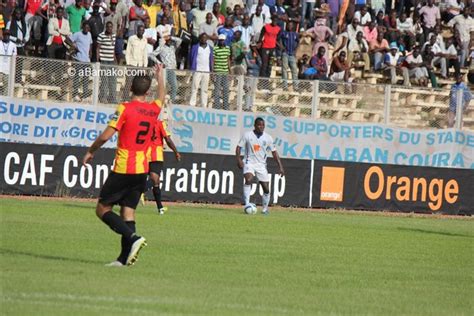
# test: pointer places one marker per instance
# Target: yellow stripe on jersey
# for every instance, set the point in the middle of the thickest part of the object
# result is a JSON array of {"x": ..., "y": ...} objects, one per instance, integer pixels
[
  {"x": 165, "y": 127},
  {"x": 116, "y": 117},
  {"x": 158, "y": 103},
  {"x": 140, "y": 162},
  {"x": 121, "y": 158},
  {"x": 159, "y": 153}
]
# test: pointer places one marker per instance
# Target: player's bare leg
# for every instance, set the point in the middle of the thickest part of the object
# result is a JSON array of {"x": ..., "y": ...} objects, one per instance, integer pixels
[
  {"x": 247, "y": 187},
  {"x": 265, "y": 197}
]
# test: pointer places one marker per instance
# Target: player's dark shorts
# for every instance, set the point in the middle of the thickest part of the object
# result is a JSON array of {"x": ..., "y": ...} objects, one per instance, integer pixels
[
  {"x": 156, "y": 167},
  {"x": 123, "y": 189}
]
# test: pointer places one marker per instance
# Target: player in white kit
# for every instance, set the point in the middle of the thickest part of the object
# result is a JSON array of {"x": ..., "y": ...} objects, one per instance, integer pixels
[{"x": 256, "y": 145}]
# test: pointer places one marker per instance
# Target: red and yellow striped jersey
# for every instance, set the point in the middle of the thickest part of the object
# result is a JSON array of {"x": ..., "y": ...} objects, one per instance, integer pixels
[
  {"x": 159, "y": 133},
  {"x": 134, "y": 122}
]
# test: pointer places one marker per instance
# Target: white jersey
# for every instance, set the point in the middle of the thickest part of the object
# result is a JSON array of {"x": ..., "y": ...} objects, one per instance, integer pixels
[{"x": 256, "y": 148}]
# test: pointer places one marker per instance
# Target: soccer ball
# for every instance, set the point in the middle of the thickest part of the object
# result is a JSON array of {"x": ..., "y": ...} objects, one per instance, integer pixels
[{"x": 250, "y": 209}]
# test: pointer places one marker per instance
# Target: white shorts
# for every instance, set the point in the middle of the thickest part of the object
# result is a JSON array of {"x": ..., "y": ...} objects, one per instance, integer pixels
[{"x": 259, "y": 170}]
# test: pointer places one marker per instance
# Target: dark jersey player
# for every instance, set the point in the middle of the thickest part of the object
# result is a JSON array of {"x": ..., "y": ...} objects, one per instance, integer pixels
[
  {"x": 134, "y": 121},
  {"x": 160, "y": 133}
]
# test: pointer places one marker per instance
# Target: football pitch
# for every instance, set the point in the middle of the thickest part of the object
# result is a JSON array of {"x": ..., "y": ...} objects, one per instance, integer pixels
[{"x": 216, "y": 260}]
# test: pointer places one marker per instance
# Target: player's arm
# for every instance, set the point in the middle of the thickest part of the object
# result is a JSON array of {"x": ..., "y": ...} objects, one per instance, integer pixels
[
  {"x": 99, "y": 142},
  {"x": 171, "y": 144},
  {"x": 238, "y": 156},
  {"x": 161, "y": 83},
  {"x": 280, "y": 165}
]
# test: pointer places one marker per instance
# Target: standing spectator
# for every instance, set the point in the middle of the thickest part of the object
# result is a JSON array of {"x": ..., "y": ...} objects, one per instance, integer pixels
[
  {"x": 76, "y": 13},
  {"x": 152, "y": 8},
  {"x": 378, "y": 49},
  {"x": 180, "y": 19},
  {"x": 391, "y": 30},
  {"x": 201, "y": 61},
  {"x": 222, "y": 54},
  {"x": 253, "y": 62},
  {"x": 198, "y": 17},
  {"x": 288, "y": 42},
  {"x": 118, "y": 28},
  {"x": 451, "y": 55},
  {"x": 210, "y": 28},
  {"x": 165, "y": 26},
  {"x": 307, "y": 7},
  {"x": 7, "y": 50},
  {"x": 151, "y": 37},
  {"x": 238, "y": 54},
  {"x": 136, "y": 54},
  {"x": 246, "y": 30},
  {"x": 392, "y": 63},
  {"x": 166, "y": 12},
  {"x": 58, "y": 29},
  {"x": 359, "y": 51},
  {"x": 455, "y": 7},
  {"x": 217, "y": 15},
  {"x": 258, "y": 21},
  {"x": 453, "y": 99},
  {"x": 83, "y": 44},
  {"x": 321, "y": 34},
  {"x": 96, "y": 27},
  {"x": 431, "y": 17},
  {"x": 136, "y": 17},
  {"x": 353, "y": 29},
  {"x": 19, "y": 32},
  {"x": 340, "y": 70},
  {"x": 293, "y": 13},
  {"x": 265, "y": 10},
  {"x": 237, "y": 16},
  {"x": 407, "y": 31},
  {"x": 268, "y": 38},
  {"x": 31, "y": 7},
  {"x": 167, "y": 53},
  {"x": 106, "y": 56},
  {"x": 280, "y": 11},
  {"x": 416, "y": 67},
  {"x": 33, "y": 20},
  {"x": 227, "y": 30},
  {"x": 464, "y": 23}
]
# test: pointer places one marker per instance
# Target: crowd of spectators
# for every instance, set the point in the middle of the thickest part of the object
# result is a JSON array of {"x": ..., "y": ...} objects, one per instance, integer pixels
[{"x": 421, "y": 41}]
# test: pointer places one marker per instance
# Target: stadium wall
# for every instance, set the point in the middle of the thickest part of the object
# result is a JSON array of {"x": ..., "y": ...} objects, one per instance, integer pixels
[{"x": 54, "y": 170}]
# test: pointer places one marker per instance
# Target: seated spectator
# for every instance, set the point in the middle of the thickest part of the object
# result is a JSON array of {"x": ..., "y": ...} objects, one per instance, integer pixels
[
  {"x": 340, "y": 70},
  {"x": 319, "y": 66},
  {"x": 451, "y": 55},
  {"x": 210, "y": 28},
  {"x": 378, "y": 49},
  {"x": 363, "y": 16},
  {"x": 303, "y": 66},
  {"x": 392, "y": 64},
  {"x": 370, "y": 32},
  {"x": 453, "y": 99},
  {"x": 439, "y": 57},
  {"x": 427, "y": 56},
  {"x": 359, "y": 51},
  {"x": 390, "y": 23},
  {"x": 416, "y": 67}
]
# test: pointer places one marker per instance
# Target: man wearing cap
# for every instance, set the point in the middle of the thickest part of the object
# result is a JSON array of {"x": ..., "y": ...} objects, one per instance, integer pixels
[
  {"x": 167, "y": 52},
  {"x": 222, "y": 54},
  {"x": 392, "y": 63}
]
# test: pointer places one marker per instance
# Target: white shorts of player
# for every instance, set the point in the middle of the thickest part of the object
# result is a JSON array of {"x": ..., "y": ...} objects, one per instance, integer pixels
[{"x": 259, "y": 170}]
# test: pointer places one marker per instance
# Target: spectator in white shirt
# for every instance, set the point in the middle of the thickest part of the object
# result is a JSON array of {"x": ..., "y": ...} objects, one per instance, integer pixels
[
  {"x": 258, "y": 21},
  {"x": 210, "y": 28},
  {"x": 247, "y": 31},
  {"x": 405, "y": 27},
  {"x": 7, "y": 50},
  {"x": 363, "y": 16},
  {"x": 265, "y": 10},
  {"x": 359, "y": 51},
  {"x": 451, "y": 55},
  {"x": 19, "y": 31},
  {"x": 201, "y": 60},
  {"x": 392, "y": 63},
  {"x": 353, "y": 29},
  {"x": 137, "y": 54},
  {"x": 438, "y": 56},
  {"x": 416, "y": 67},
  {"x": 151, "y": 37},
  {"x": 464, "y": 23}
]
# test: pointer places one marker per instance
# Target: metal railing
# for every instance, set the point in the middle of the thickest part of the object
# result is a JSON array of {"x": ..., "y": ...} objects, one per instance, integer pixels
[{"x": 105, "y": 84}]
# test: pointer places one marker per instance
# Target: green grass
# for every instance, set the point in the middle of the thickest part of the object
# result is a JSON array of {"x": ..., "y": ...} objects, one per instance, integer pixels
[{"x": 208, "y": 260}]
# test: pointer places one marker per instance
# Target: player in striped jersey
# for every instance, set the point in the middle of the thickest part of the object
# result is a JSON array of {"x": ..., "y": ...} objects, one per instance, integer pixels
[
  {"x": 134, "y": 121},
  {"x": 160, "y": 133},
  {"x": 256, "y": 144}
]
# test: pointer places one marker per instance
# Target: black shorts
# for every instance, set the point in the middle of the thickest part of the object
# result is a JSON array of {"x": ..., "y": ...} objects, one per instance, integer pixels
[
  {"x": 123, "y": 189},
  {"x": 156, "y": 167}
]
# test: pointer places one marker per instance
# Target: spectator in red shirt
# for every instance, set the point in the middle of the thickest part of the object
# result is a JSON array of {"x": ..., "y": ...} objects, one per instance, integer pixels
[{"x": 268, "y": 38}]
